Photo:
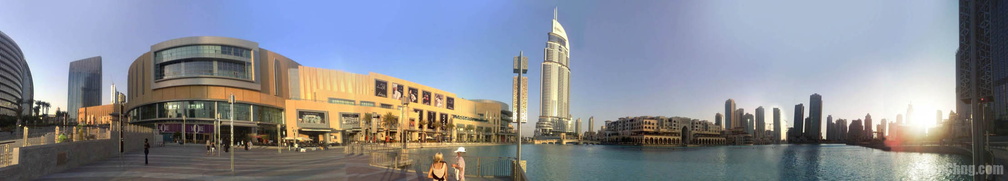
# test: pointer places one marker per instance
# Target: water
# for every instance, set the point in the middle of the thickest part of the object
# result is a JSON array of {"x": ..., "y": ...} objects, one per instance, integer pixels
[{"x": 763, "y": 162}]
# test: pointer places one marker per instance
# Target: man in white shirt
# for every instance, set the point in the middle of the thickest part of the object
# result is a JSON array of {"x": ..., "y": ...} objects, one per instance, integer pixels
[{"x": 459, "y": 164}]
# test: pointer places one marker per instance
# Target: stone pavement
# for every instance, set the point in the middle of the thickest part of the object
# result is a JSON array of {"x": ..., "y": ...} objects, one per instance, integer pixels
[{"x": 190, "y": 162}]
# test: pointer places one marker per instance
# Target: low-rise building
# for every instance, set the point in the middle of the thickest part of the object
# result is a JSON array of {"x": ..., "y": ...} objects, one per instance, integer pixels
[{"x": 659, "y": 130}]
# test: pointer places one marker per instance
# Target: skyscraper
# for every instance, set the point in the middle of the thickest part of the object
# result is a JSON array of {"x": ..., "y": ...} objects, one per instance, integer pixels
[
  {"x": 84, "y": 85},
  {"x": 760, "y": 123},
  {"x": 591, "y": 124},
  {"x": 815, "y": 113},
  {"x": 830, "y": 128},
  {"x": 555, "y": 103},
  {"x": 799, "y": 118},
  {"x": 730, "y": 118},
  {"x": 717, "y": 119},
  {"x": 982, "y": 68},
  {"x": 739, "y": 119},
  {"x": 748, "y": 123},
  {"x": 776, "y": 125},
  {"x": 868, "y": 127}
]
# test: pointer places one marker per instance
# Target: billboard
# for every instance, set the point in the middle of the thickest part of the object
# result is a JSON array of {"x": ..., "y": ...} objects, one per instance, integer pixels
[
  {"x": 413, "y": 97},
  {"x": 439, "y": 100},
  {"x": 350, "y": 120},
  {"x": 381, "y": 88},
  {"x": 426, "y": 98},
  {"x": 444, "y": 120},
  {"x": 312, "y": 119},
  {"x": 397, "y": 91},
  {"x": 431, "y": 116},
  {"x": 451, "y": 103}
]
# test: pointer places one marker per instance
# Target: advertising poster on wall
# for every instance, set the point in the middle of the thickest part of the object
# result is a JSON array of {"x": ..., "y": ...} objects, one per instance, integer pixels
[
  {"x": 451, "y": 103},
  {"x": 426, "y": 98},
  {"x": 439, "y": 100},
  {"x": 312, "y": 119},
  {"x": 431, "y": 116},
  {"x": 444, "y": 120},
  {"x": 381, "y": 88},
  {"x": 413, "y": 95},
  {"x": 397, "y": 91},
  {"x": 350, "y": 120}
]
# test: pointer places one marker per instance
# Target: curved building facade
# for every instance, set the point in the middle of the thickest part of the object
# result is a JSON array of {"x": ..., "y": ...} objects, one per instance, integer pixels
[
  {"x": 15, "y": 78},
  {"x": 190, "y": 81}
]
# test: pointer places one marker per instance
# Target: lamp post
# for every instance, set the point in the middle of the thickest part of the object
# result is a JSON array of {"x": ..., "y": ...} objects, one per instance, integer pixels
[
  {"x": 520, "y": 67},
  {"x": 183, "y": 128},
  {"x": 402, "y": 119},
  {"x": 231, "y": 142}
]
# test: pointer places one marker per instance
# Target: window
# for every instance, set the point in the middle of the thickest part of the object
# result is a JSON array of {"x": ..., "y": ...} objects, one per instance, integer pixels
[
  {"x": 386, "y": 106},
  {"x": 367, "y": 103},
  {"x": 342, "y": 101}
]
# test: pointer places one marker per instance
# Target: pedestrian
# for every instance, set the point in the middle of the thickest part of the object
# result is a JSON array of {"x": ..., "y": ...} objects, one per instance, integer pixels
[
  {"x": 247, "y": 143},
  {"x": 208, "y": 147},
  {"x": 439, "y": 169},
  {"x": 459, "y": 164},
  {"x": 213, "y": 148},
  {"x": 146, "y": 151}
]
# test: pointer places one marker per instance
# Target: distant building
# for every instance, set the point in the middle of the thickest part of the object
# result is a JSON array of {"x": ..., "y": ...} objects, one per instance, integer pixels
[
  {"x": 855, "y": 131},
  {"x": 717, "y": 119},
  {"x": 760, "y": 124},
  {"x": 799, "y": 118},
  {"x": 815, "y": 112},
  {"x": 84, "y": 85},
  {"x": 841, "y": 125},
  {"x": 749, "y": 119},
  {"x": 777, "y": 125},
  {"x": 660, "y": 130},
  {"x": 868, "y": 127},
  {"x": 830, "y": 128},
  {"x": 730, "y": 118}
]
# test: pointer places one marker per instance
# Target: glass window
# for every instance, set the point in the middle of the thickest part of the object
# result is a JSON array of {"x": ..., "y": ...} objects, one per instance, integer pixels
[
  {"x": 243, "y": 112},
  {"x": 367, "y": 103},
  {"x": 200, "y": 109},
  {"x": 386, "y": 106}
]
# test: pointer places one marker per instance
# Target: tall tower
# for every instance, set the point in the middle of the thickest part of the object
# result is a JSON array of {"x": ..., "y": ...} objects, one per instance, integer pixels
[
  {"x": 869, "y": 132},
  {"x": 815, "y": 112},
  {"x": 776, "y": 126},
  {"x": 981, "y": 68},
  {"x": 729, "y": 113},
  {"x": 799, "y": 117},
  {"x": 591, "y": 124},
  {"x": 760, "y": 123},
  {"x": 555, "y": 103},
  {"x": 717, "y": 119}
]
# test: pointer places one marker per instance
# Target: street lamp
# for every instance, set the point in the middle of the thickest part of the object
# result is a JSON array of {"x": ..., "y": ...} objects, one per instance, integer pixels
[
  {"x": 402, "y": 118},
  {"x": 520, "y": 67},
  {"x": 231, "y": 141}
]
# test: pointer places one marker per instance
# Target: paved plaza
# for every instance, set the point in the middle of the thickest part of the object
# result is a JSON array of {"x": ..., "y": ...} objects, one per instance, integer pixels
[{"x": 190, "y": 162}]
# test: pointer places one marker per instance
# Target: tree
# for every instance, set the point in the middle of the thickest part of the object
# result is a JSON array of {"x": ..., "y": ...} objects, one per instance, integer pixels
[
  {"x": 388, "y": 120},
  {"x": 20, "y": 109},
  {"x": 367, "y": 123},
  {"x": 45, "y": 106},
  {"x": 38, "y": 108}
]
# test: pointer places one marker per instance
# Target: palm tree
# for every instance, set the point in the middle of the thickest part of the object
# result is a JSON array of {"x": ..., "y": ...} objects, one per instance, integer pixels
[
  {"x": 45, "y": 106},
  {"x": 367, "y": 124},
  {"x": 20, "y": 109},
  {"x": 437, "y": 126},
  {"x": 388, "y": 120},
  {"x": 38, "y": 108}
]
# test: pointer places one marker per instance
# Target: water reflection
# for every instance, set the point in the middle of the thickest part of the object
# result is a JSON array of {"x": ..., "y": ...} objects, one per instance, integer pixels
[{"x": 764, "y": 162}]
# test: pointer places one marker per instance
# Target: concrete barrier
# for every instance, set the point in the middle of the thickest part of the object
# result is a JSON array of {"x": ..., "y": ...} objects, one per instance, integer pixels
[{"x": 35, "y": 161}]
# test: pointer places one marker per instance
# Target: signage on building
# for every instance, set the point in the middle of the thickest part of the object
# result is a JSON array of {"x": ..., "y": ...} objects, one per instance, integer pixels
[
  {"x": 426, "y": 98},
  {"x": 413, "y": 97},
  {"x": 451, "y": 103},
  {"x": 381, "y": 88},
  {"x": 312, "y": 119},
  {"x": 397, "y": 91}
]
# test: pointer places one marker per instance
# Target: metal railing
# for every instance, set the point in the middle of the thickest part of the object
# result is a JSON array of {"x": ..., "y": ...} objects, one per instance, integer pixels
[{"x": 483, "y": 167}]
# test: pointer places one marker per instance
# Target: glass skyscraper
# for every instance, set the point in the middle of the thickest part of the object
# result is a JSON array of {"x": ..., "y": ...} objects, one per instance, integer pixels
[{"x": 84, "y": 85}]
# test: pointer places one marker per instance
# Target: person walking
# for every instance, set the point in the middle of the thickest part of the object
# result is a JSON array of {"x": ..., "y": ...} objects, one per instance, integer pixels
[
  {"x": 459, "y": 164},
  {"x": 208, "y": 147},
  {"x": 146, "y": 151},
  {"x": 439, "y": 169}
]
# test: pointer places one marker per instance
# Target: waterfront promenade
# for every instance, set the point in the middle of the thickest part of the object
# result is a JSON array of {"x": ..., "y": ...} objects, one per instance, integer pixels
[{"x": 190, "y": 162}]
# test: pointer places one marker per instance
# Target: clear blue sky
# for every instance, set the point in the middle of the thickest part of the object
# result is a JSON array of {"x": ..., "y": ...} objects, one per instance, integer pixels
[{"x": 672, "y": 58}]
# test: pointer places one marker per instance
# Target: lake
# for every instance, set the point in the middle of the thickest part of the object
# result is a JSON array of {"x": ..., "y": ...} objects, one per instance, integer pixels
[{"x": 760, "y": 162}]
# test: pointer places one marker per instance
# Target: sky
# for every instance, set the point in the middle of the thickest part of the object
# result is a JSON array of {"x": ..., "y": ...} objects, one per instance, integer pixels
[{"x": 634, "y": 58}]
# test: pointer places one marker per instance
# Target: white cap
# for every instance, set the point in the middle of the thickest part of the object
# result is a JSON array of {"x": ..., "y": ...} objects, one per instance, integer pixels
[{"x": 460, "y": 149}]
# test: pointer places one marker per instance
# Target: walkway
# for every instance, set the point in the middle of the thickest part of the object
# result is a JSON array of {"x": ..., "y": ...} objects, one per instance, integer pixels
[{"x": 175, "y": 162}]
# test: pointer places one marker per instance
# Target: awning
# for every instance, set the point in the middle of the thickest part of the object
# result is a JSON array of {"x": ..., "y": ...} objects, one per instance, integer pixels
[{"x": 328, "y": 130}]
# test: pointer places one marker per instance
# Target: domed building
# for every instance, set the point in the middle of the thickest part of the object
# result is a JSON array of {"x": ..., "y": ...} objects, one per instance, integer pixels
[{"x": 15, "y": 79}]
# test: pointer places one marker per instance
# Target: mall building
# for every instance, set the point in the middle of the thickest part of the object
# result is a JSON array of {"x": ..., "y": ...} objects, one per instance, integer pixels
[{"x": 189, "y": 81}]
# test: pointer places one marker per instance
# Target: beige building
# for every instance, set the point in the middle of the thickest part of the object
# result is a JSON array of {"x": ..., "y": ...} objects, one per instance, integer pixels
[
  {"x": 660, "y": 130},
  {"x": 190, "y": 81}
]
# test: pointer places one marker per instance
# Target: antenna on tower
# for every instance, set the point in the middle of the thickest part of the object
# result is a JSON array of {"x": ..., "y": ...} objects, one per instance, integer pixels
[{"x": 554, "y": 12}]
